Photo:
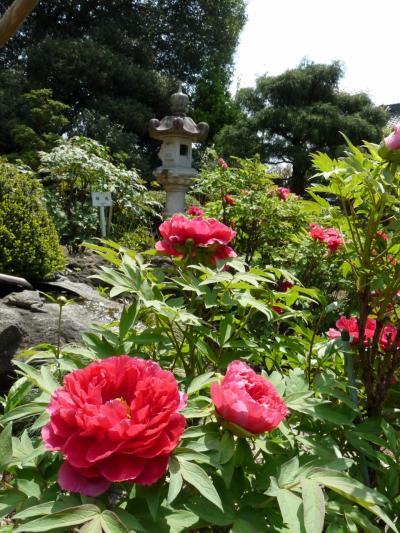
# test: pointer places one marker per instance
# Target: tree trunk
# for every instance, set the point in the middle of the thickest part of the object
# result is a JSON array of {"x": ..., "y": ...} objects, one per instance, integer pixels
[
  {"x": 14, "y": 17},
  {"x": 301, "y": 165}
]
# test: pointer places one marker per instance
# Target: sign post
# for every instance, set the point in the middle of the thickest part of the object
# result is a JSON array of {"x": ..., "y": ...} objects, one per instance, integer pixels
[{"x": 102, "y": 200}]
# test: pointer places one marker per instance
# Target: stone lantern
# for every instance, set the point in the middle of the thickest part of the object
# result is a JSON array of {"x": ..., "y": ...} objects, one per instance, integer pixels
[{"x": 177, "y": 132}]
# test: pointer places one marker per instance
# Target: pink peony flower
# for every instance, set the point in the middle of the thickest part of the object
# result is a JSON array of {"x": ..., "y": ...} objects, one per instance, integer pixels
[
  {"x": 382, "y": 235},
  {"x": 222, "y": 164},
  {"x": 248, "y": 400},
  {"x": 392, "y": 141},
  {"x": 330, "y": 236},
  {"x": 196, "y": 211},
  {"x": 351, "y": 326},
  {"x": 229, "y": 199},
  {"x": 388, "y": 336},
  {"x": 316, "y": 232},
  {"x": 333, "y": 239},
  {"x": 197, "y": 237},
  {"x": 115, "y": 420},
  {"x": 283, "y": 193}
]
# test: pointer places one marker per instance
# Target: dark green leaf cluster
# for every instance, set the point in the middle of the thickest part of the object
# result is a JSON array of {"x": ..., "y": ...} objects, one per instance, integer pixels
[
  {"x": 286, "y": 117},
  {"x": 29, "y": 244},
  {"x": 116, "y": 63}
]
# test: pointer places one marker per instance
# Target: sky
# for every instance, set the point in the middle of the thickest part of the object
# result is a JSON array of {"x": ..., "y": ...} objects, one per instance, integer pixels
[{"x": 363, "y": 34}]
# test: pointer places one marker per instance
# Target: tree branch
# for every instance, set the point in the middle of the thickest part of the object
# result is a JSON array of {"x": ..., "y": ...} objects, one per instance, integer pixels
[{"x": 14, "y": 17}]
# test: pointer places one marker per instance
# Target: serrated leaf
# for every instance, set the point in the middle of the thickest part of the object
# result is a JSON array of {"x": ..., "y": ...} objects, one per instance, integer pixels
[
  {"x": 6, "y": 450},
  {"x": 289, "y": 472},
  {"x": 129, "y": 520},
  {"x": 313, "y": 506},
  {"x": 200, "y": 382},
  {"x": 94, "y": 526},
  {"x": 197, "y": 477},
  {"x": 23, "y": 411},
  {"x": 176, "y": 480},
  {"x": 227, "y": 448},
  {"x": 73, "y": 516},
  {"x": 181, "y": 521},
  {"x": 111, "y": 523},
  {"x": 128, "y": 318},
  {"x": 290, "y": 506}
]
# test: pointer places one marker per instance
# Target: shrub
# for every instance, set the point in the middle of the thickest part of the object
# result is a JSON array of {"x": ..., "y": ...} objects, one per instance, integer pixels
[
  {"x": 79, "y": 166},
  {"x": 246, "y": 198},
  {"x": 139, "y": 240},
  {"x": 29, "y": 245}
]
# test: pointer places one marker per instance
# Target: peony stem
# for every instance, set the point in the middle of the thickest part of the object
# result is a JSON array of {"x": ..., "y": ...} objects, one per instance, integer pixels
[{"x": 349, "y": 365}]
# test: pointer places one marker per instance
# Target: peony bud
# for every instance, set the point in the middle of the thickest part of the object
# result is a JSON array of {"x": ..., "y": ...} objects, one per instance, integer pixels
[
  {"x": 222, "y": 164},
  {"x": 390, "y": 147},
  {"x": 392, "y": 141}
]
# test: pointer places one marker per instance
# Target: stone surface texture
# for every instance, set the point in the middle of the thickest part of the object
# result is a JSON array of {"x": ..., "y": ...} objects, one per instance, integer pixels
[
  {"x": 27, "y": 320},
  {"x": 177, "y": 132}
]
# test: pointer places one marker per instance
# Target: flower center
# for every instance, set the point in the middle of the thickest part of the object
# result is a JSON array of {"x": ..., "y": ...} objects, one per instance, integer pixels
[{"x": 123, "y": 402}]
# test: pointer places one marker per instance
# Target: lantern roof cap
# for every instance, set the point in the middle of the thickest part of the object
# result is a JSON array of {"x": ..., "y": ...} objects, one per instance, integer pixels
[{"x": 178, "y": 124}]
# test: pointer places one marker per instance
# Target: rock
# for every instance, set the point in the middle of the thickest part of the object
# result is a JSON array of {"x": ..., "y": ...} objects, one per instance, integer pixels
[
  {"x": 21, "y": 326},
  {"x": 24, "y": 300},
  {"x": 11, "y": 334},
  {"x": 14, "y": 280},
  {"x": 78, "y": 289}
]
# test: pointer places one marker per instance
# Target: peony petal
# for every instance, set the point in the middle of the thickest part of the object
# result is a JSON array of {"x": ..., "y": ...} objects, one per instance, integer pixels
[
  {"x": 51, "y": 440},
  {"x": 182, "y": 401},
  {"x": 102, "y": 449},
  {"x": 166, "y": 248},
  {"x": 70, "y": 479},
  {"x": 333, "y": 333},
  {"x": 122, "y": 467},
  {"x": 216, "y": 395},
  {"x": 75, "y": 450},
  {"x": 153, "y": 470}
]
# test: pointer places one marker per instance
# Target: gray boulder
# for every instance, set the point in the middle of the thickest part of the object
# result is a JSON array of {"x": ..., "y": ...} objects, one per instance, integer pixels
[{"x": 22, "y": 326}]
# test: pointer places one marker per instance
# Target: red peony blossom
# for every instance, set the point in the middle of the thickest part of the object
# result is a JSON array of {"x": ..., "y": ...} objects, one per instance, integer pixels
[
  {"x": 382, "y": 235},
  {"x": 351, "y": 326},
  {"x": 196, "y": 237},
  {"x": 330, "y": 236},
  {"x": 286, "y": 285},
  {"x": 392, "y": 141},
  {"x": 333, "y": 239},
  {"x": 222, "y": 164},
  {"x": 115, "y": 420},
  {"x": 283, "y": 193},
  {"x": 388, "y": 336},
  {"x": 316, "y": 232},
  {"x": 228, "y": 199},
  {"x": 196, "y": 211},
  {"x": 248, "y": 400}
]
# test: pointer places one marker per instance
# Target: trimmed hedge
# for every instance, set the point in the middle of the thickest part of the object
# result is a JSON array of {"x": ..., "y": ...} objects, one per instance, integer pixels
[{"x": 29, "y": 244}]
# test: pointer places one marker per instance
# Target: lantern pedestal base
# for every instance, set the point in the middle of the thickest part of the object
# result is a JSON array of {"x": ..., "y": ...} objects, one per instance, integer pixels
[{"x": 176, "y": 183}]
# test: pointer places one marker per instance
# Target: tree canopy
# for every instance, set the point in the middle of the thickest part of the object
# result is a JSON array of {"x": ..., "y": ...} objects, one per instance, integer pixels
[
  {"x": 286, "y": 117},
  {"x": 116, "y": 63}
]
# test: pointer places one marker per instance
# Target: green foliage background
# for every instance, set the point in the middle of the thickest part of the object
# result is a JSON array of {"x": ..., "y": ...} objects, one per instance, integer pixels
[{"x": 301, "y": 111}]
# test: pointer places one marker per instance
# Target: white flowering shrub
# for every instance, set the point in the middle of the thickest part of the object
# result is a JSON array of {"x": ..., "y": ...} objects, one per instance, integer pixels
[{"x": 76, "y": 168}]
